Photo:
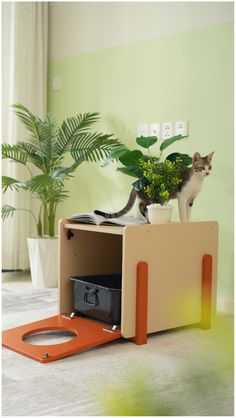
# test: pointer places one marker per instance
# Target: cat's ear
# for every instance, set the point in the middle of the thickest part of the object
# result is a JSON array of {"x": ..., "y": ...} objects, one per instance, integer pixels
[
  {"x": 196, "y": 157},
  {"x": 209, "y": 156}
]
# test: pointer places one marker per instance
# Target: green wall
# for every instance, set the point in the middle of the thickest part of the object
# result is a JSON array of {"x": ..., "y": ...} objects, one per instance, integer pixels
[{"x": 186, "y": 76}]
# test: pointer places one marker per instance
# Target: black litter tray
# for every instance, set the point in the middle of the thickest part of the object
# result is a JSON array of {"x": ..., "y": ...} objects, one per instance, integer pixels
[{"x": 99, "y": 297}]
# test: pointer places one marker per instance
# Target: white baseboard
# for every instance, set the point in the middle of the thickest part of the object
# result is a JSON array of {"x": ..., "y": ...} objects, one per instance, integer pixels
[{"x": 225, "y": 305}]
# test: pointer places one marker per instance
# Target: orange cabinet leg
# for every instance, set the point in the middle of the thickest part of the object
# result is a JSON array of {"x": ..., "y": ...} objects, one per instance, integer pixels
[
  {"x": 141, "y": 303},
  {"x": 206, "y": 291}
]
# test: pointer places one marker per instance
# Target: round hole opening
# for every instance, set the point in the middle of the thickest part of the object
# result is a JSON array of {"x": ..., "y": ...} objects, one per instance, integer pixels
[{"x": 49, "y": 337}]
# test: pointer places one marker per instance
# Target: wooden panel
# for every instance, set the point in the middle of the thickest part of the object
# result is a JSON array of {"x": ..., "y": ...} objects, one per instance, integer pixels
[
  {"x": 206, "y": 291},
  {"x": 141, "y": 303},
  {"x": 115, "y": 230},
  {"x": 174, "y": 255},
  {"x": 86, "y": 253},
  {"x": 88, "y": 334}
]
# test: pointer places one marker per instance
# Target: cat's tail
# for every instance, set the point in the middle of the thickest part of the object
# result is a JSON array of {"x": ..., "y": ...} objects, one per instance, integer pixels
[{"x": 121, "y": 212}]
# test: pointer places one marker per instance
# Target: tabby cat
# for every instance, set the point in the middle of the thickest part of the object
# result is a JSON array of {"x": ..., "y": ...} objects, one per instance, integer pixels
[{"x": 191, "y": 184}]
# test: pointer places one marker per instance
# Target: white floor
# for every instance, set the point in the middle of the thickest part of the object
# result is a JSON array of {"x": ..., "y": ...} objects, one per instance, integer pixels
[{"x": 182, "y": 372}]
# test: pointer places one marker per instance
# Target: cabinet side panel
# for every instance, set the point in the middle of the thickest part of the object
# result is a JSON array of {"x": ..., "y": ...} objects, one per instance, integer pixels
[
  {"x": 67, "y": 268},
  {"x": 174, "y": 255}
]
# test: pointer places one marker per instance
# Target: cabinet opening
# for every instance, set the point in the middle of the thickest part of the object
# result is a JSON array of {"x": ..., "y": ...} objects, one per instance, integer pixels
[{"x": 89, "y": 253}]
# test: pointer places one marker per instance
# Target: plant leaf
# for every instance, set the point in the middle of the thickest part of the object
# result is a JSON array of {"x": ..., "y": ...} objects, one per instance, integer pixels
[
  {"x": 131, "y": 171},
  {"x": 65, "y": 172},
  {"x": 170, "y": 141},
  {"x": 7, "y": 211},
  {"x": 57, "y": 194},
  {"x": 28, "y": 119},
  {"x": 42, "y": 144},
  {"x": 47, "y": 131},
  {"x": 34, "y": 153},
  {"x": 146, "y": 141},
  {"x": 72, "y": 127},
  {"x": 12, "y": 184},
  {"x": 39, "y": 183},
  {"x": 14, "y": 153},
  {"x": 130, "y": 158},
  {"x": 186, "y": 160},
  {"x": 93, "y": 146},
  {"x": 114, "y": 156}
]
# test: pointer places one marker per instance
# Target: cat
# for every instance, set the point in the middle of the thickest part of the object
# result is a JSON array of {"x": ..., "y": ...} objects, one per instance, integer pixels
[
  {"x": 186, "y": 192},
  {"x": 192, "y": 182}
]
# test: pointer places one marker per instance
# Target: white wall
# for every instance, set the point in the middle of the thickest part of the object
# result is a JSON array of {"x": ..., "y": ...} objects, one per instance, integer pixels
[{"x": 74, "y": 27}]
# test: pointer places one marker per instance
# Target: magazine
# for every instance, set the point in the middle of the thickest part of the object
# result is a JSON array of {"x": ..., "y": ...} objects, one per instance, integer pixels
[{"x": 92, "y": 218}]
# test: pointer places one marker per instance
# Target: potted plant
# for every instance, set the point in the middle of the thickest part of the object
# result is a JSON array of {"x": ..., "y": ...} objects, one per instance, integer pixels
[
  {"x": 44, "y": 154},
  {"x": 158, "y": 177},
  {"x": 162, "y": 178}
]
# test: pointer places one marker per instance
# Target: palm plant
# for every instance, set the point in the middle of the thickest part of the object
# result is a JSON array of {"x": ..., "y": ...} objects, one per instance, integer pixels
[{"x": 46, "y": 149}]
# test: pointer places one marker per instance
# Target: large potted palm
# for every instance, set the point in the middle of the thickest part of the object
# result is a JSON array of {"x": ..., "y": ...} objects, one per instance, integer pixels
[{"x": 43, "y": 153}]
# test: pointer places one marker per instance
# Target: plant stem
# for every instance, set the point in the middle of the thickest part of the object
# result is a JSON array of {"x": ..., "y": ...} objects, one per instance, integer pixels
[
  {"x": 45, "y": 219},
  {"x": 39, "y": 224},
  {"x": 149, "y": 153},
  {"x": 51, "y": 220}
]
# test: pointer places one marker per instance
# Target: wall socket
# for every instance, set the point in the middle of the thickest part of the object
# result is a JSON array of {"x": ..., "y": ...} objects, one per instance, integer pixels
[
  {"x": 181, "y": 128},
  {"x": 155, "y": 129},
  {"x": 163, "y": 130},
  {"x": 167, "y": 130}
]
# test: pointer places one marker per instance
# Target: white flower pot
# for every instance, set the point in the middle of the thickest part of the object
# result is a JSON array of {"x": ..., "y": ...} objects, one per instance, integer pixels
[
  {"x": 43, "y": 255},
  {"x": 158, "y": 214}
]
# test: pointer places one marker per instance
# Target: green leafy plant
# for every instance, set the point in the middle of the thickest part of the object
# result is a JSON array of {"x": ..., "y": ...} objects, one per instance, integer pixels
[
  {"x": 45, "y": 150},
  {"x": 158, "y": 177},
  {"x": 162, "y": 178}
]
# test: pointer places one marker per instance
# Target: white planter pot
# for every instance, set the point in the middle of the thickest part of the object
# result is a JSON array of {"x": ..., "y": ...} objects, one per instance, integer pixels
[
  {"x": 43, "y": 255},
  {"x": 158, "y": 214}
]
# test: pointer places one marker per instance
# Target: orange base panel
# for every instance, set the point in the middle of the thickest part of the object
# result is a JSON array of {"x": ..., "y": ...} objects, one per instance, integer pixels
[{"x": 88, "y": 334}]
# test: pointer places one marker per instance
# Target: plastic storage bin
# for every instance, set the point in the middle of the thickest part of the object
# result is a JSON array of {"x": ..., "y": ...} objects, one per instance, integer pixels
[{"x": 99, "y": 297}]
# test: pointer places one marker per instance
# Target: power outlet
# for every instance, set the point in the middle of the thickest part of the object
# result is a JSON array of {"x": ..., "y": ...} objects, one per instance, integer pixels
[
  {"x": 155, "y": 129},
  {"x": 142, "y": 129},
  {"x": 167, "y": 130},
  {"x": 181, "y": 128}
]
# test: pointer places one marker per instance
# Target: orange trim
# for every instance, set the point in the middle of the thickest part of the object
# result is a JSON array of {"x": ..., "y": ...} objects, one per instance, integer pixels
[
  {"x": 206, "y": 291},
  {"x": 88, "y": 334},
  {"x": 141, "y": 303}
]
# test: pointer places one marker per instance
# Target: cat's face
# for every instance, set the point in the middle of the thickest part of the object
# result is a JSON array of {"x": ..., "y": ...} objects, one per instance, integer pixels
[{"x": 202, "y": 165}]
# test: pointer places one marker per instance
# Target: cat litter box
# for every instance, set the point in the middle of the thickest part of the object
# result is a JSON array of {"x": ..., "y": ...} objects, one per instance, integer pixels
[
  {"x": 98, "y": 297},
  {"x": 163, "y": 287}
]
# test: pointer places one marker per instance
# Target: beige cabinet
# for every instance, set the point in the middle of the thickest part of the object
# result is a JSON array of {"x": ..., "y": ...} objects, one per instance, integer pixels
[
  {"x": 173, "y": 253},
  {"x": 168, "y": 280}
]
